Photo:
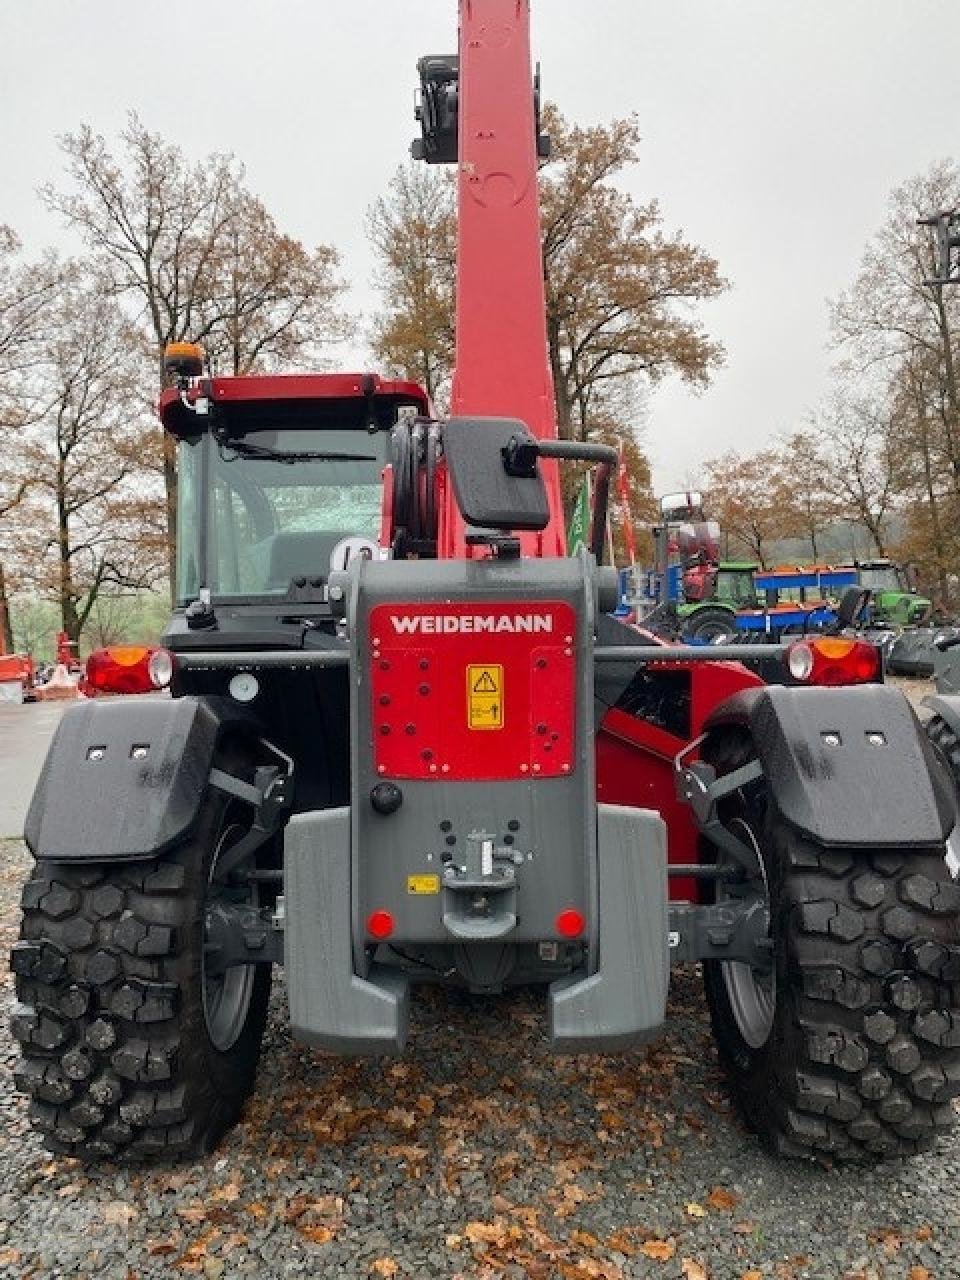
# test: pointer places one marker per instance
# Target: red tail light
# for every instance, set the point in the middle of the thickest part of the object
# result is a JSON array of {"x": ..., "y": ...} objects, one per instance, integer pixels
[
  {"x": 380, "y": 924},
  {"x": 833, "y": 660},
  {"x": 129, "y": 669},
  {"x": 570, "y": 923}
]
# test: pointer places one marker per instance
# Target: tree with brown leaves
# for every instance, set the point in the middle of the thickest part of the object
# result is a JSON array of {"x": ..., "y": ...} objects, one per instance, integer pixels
[
  {"x": 199, "y": 256},
  {"x": 413, "y": 233},
  {"x": 620, "y": 291},
  {"x": 749, "y": 497}
]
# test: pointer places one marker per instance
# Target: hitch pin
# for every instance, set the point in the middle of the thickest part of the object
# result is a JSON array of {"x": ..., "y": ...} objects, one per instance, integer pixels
[{"x": 486, "y": 858}]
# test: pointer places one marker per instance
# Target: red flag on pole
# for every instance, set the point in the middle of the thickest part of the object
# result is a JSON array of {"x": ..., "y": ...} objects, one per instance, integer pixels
[{"x": 623, "y": 488}]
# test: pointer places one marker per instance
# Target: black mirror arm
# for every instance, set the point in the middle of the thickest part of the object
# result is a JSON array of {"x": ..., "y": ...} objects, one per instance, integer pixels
[
  {"x": 606, "y": 456},
  {"x": 520, "y": 458}
]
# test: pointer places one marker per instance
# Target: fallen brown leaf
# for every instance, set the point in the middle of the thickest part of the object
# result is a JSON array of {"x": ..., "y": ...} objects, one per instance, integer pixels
[
  {"x": 397, "y": 1118},
  {"x": 384, "y": 1266},
  {"x": 316, "y": 1235},
  {"x": 721, "y": 1198},
  {"x": 693, "y": 1270},
  {"x": 659, "y": 1250},
  {"x": 161, "y": 1248},
  {"x": 918, "y": 1273},
  {"x": 118, "y": 1213},
  {"x": 752, "y": 1275},
  {"x": 583, "y": 1239},
  {"x": 193, "y": 1213},
  {"x": 226, "y": 1194}
]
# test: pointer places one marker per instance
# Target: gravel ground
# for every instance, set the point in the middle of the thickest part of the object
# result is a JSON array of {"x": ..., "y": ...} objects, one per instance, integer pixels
[{"x": 478, "y": 1155}]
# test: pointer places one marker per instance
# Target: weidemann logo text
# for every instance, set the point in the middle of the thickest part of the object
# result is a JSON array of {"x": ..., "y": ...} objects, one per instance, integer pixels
[{"x": 451, "y": 624}]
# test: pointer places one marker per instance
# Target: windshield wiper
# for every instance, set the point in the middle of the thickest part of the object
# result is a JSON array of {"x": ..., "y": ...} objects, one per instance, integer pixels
[{"x": 261, "y": 452}]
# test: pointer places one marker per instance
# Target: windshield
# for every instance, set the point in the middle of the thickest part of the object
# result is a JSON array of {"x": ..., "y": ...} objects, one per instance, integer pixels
[
  {"x": 276, "y": 503},
  {"x": 883, "y": 578},
  {"x": 736, "y": 586}
]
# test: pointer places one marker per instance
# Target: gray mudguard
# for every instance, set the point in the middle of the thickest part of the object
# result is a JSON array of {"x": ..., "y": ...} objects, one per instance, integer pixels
[
  {"x": 124, "y": 779},
  {"x": 624, "y": 1002},
  {"x": 330, "y": 1005},
  {"x": 848, "y": 766}
]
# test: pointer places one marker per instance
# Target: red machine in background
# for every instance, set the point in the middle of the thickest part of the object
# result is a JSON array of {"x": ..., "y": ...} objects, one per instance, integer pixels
[{"x": 17, "y": 674}]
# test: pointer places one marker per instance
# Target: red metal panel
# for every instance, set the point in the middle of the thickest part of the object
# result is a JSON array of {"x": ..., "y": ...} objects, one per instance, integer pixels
[
  {"x": 635, "y": 761},
  {"x": 476, "y": 690},
  {"x": 502, "y": 369},
  {"x": 291, "y": 386}
]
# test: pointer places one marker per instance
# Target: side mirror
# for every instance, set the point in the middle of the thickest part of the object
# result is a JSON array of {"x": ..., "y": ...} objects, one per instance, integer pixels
[{"x": 489, "y": 495}]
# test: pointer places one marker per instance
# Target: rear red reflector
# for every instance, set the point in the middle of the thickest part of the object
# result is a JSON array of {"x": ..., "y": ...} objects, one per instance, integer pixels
[
  {"x": 380, "y": 924},
  {"x": 129, "y": 669},
  {"x": 833, "y": 660},
  {"x": 570, "y": 923}
]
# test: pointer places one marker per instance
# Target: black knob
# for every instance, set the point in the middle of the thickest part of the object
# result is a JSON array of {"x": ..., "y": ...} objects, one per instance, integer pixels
[{"x": 386, "y": 797}]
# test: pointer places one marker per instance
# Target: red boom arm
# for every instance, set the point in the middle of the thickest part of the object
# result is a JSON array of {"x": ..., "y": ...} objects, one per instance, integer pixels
[{"x": 502, "y": 367}]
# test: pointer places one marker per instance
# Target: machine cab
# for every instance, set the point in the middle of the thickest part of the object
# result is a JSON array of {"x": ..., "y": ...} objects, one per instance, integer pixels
[{"x": 280, "y": 483}]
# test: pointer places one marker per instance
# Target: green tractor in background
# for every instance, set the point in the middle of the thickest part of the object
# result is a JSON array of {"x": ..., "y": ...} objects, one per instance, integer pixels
[
  {"x": 896, "y": 601},
  {"x": 712, "y": 595}
]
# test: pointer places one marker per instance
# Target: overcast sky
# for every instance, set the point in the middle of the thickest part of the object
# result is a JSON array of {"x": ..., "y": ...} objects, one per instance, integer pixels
[{"x": 773, "y": 132}]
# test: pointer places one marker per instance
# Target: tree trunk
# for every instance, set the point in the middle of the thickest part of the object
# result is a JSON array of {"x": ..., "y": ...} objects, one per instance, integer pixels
[
  {"x": 935, "y": 526},
  {"x": 69, "y": 620},
  {"x": 6, "y": 626}
]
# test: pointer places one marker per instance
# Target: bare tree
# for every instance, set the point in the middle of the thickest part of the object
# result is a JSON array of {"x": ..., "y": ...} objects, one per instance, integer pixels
[
  {"x": 803, "y": 463},
  {"x": 866, "y": 463},
  {"x": 93, "y": 493}
]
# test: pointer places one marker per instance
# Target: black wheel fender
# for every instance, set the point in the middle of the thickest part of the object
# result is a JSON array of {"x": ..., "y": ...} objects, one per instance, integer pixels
[
  {"x": 849, "y": 767},
  {"x": 125, "y": 779}
]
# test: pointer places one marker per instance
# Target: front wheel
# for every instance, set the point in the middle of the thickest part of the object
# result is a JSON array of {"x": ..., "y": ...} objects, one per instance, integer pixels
[
  {"x": 132, "y": 1045},
  {"x": 849, "y": 1045}
]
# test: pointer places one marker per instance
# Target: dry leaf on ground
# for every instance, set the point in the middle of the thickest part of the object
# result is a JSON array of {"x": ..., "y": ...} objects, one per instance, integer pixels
[
  {"x": 721, "y": 1198},
  {"x": 384, "y": 1267},
  {"x": 693, "y": 1270},
  {"x": 659, "y": 1250}
]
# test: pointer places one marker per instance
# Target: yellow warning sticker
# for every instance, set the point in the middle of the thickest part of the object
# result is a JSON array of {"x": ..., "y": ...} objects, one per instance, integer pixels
[
  {"x": 423, "y": 884},
  {"x": 485, "y": 697}
]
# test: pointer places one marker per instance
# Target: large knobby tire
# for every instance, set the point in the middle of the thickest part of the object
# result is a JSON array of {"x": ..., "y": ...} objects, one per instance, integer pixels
[
  {"x": 862, "y": 1056},
  {"x": 947, "y": 743},
  {"x": 710, "y": 626},
  {"x": 116, "y": 1052}
]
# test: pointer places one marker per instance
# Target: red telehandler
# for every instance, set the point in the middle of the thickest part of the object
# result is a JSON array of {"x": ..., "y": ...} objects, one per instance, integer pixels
[{"x": 407, "y": 743}]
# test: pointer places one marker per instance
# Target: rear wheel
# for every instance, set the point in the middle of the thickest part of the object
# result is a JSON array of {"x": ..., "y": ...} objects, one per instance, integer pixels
[
  {"x": 849, "y": 1046},
  {"x": 131, "y": 1046},
  {"x": 709, "y": 626}
]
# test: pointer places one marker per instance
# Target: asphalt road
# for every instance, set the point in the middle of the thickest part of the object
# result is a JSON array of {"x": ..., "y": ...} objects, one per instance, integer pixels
[{"x": 25, "y": 733}]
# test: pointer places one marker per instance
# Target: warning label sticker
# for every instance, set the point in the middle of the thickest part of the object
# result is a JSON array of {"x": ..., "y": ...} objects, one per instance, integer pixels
[
  {"x": 485, "y": 696},
  {"x": 423, "y": 884}
]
